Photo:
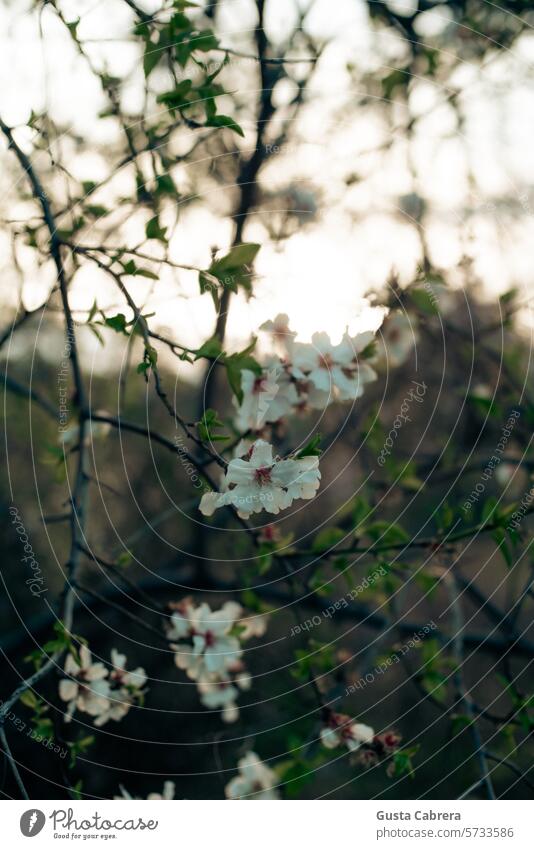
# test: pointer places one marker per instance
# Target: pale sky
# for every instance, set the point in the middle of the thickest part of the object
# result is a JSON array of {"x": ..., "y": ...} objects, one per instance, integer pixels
[{"x": 477, "y": 186}]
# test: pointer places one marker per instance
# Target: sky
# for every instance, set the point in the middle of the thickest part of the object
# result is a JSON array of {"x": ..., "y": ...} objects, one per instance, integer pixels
[{"x": 476, "y": 184}]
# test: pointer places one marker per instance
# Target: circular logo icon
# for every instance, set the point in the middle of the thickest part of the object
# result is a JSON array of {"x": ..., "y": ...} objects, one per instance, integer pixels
[{"x": 32, "y": 822}]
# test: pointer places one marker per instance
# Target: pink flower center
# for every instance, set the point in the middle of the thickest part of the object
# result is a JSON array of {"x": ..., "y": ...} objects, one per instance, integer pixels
[
  {"x": 117, "y": 674},
  {"x": 259, "y": 385},
  {"x": 325, "y": 361},
  {"x": 263, "y": 475},
  {"x": 209, "y": 638}
]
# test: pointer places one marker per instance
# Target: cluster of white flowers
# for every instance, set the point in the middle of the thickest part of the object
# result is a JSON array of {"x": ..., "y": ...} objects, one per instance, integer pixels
[
  {"x": 255, "y": 780},
  {"x": 258, "y": 481},
  {"x": 210, "y": 651},
  {"x": 341, "y": 729},
  {"x": 304, "y": 375},
  {"x": 101, "y": 692},
  {"x": 169, "y": 789}
]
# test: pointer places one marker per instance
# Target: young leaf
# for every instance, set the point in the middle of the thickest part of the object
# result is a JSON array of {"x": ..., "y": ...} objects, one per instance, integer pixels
[
  {"x": 225, "y": 121},
  {"x": 312, "y": 449},
  {"x": 154, "y": 230}
]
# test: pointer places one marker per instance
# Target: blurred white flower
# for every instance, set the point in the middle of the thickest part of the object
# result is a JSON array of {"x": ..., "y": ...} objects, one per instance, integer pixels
[
  {"x": 212, "y": 649},
  {"x": 266, "y": 398},
  {"x": 280, "y": 331},
  {"x": 125, "y": 689},
  {"x": 254, "y": 626},
  {"x": 212, "y": 654},
  {"x": 85, "y": 688},
  {"x": 254, "y": 781},
  {"x": 169, "y": 789},
  {"x": 504, "y": 473},
  {"x": 334, "y": 367},
  {"x": 119, "y": 674},
  {"x": 341, "y": 729},
  {"x": 220, "y": 695},
  {"x": 399, "y": 337},
  {"x": 260, "y": 482}
]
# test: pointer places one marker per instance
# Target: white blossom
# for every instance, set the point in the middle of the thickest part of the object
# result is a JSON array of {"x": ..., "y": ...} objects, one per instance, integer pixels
[
  {"x": 280, "y": 331},
  {"x": 342, "y": 730},
  {"x": 254, "y": 626},
  {"x": 261, "y": 482},
  {"x": 212, "y": 649},
  {"x": 255, "y": 780},
  {"x": 125, "y": 689},
  {"x": 267, "y": 398},
  {"x": 334, "y": 371},
  {"x": 169, "y": 790},
  {"x": 399, "y": 336},
  {"x": 85, "y": 688}
]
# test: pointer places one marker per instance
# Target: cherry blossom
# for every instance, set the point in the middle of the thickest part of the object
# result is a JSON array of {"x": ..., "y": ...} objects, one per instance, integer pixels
[
  {"x": 213, "y": 649},
  {"x": 341, "y": 729},
  {"x": 220, "y": 694},
  {"x": 253, "y": 626},
  {"x": 125, "y": 689},
  {"x": 85, "y": 688},
  {"x": 399, "y": 336},
  {"x": 103, "y": 694},
  {"x": 261, "y": 482},
  {"x": 280, "y": 332},
  {"x": 169, "y": 790},
  {"x": 210, "y": 651},
  {"x": 255, "y": 780},
  {"x": 266, "y": 398}
]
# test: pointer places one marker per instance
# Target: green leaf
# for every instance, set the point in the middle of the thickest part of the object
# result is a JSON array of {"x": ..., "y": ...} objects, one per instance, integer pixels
[
  {"x": 44, "y": 728},
  {"x": 424, "y": 301},
  {"x": 387, "y": 533},
  {"x": 499, "y": 536},
  {"x": 327, "y": 539},
  {"x": 312, "y": 449},
  {"x": 235, "y": 365},
  {"x": 240, "y": 255},
  {"x": 360, "y": 511},
  {"x": 210, "y": 349},
  {"x": 460, "y": 721},
  {"x": 76, "y": 789},
  {"x": 124, "y": 559},
  {"x": 152, "y": 55},
  {"x": 208, "y": 423},
  {"x": 154, "y": 230},
  {"x": 295, "y": 774},
  {"x": 117, "y": 323},
  {"x": 402, "y": 762},
  {"x": 225, "y": 121},
  {"x": 179, "y": 97},
  {"x": 204, "y": 41},
  {"x": 233, "y": 373},
  {"x": 132, "y": 269},
  {"x": 73, "y": 28},
  {"x": 29, "y": 699},
  {"x": 95, "y": 210},
  {"x": 144, "y": 272},
  {"x": 165, "y": 185}
]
